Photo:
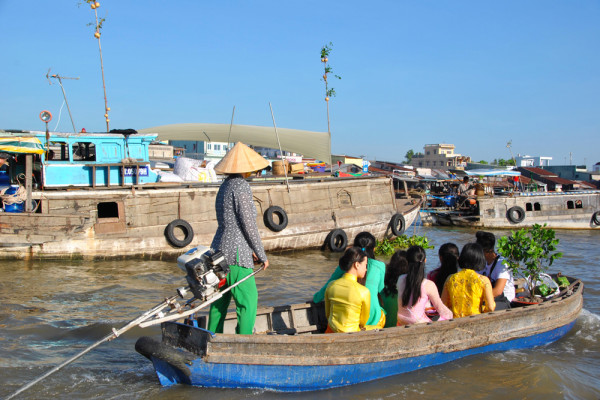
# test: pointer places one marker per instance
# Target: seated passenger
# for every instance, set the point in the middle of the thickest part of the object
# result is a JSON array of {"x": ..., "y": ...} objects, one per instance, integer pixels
[
  {"x": 448, "y": 255},
  {"x": 374, "y": 282},
  {"x": 500, "y": 274},
  {"x": 389, "y": 295},
  {"x": 466, "y": 292},
  {"x": 415, "y": 292},
  {"x": 347, "y": 302}
]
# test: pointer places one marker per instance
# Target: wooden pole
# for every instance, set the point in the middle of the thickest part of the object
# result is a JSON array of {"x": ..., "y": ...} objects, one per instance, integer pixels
[
  {"x": 230, "y": 126},
  {"x": 28, "y": 172},
  {"x": 280, "y": 151}
]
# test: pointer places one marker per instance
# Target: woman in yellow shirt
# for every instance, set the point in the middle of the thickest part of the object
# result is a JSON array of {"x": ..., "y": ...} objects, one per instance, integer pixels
[
  {"x": 347, "y": 302},
  {"x": 466, "y": 292}
]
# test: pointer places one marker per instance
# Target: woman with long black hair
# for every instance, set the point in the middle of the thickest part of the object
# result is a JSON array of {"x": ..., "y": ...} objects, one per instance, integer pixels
[
  {"x": 448, "y": 255},
  {"x": 415, "y": 291}
]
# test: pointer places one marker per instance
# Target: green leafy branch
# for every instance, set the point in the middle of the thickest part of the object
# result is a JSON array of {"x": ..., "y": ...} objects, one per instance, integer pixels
[
  {"x": 387, "y": 247},
  {"x": 529, "y": 252}
]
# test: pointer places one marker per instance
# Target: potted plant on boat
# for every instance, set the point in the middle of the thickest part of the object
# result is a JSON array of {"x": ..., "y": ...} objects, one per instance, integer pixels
[{"x": 529, "y": 252}]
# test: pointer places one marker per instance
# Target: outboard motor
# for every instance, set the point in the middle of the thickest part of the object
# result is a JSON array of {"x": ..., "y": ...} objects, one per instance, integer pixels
[{"x": 206, "y": 270}]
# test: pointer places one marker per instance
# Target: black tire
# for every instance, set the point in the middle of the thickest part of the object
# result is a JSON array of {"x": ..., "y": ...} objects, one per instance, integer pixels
[
  {"x": 398, "y": 224},
  {"x": 270, "y": 221},
  {"x": 515, "y": 214},
  {"x": 596, "y": 218},
  {"x": 337, "y": 240},
  {"x": 185, "y": 227}
]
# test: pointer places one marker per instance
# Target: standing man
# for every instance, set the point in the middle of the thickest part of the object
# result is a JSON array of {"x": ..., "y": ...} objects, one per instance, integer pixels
[
  {"x": 503, "y": 285},
  {"x": 237, "y": 238}
]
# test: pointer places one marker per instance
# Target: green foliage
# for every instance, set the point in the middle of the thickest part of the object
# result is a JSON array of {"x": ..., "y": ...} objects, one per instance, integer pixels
[
  {"x": 325, "y": 51},
  {"x": 387, "y": 247},
  {"x": 529, "y": 252},
  {"x": 409, "y": 155},
  {"x": 483, "y": 162}
]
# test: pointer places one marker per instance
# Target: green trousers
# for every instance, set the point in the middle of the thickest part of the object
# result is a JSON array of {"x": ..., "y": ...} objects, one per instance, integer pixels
[{"x": 245, "y": 296}]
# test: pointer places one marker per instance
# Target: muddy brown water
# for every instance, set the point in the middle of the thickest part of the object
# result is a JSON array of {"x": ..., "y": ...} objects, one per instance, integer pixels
[{"x": 51, "y": 310}]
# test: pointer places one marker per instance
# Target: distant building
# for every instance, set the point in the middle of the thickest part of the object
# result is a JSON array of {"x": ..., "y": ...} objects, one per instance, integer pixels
[
  {"x": 596, "y": 167},
  {"x": 440, "y": 156},
  {"x": 530, "y": 161},
  {"x": 274, "y": 154},
  {"x": 576, "y": 173},
  {"x": 552, "y": 180},
  {"x": 202, "y": 150}
]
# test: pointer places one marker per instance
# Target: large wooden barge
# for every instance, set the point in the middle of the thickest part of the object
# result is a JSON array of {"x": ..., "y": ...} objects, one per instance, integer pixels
[{"x": 96, "y": 199}]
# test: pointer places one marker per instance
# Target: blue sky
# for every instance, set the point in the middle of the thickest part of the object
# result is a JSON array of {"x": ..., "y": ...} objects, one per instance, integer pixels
[{"x": 473, "y": 73}]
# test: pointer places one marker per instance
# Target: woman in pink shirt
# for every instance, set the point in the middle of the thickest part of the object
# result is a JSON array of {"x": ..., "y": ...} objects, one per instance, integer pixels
[{"x": 415, "y": 292}]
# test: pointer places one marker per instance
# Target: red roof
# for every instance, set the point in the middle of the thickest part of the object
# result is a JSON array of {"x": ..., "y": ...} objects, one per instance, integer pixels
[{"x": 539, "y": 171}]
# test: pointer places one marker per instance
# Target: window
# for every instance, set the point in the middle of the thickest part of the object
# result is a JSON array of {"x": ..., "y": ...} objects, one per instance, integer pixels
[
  {"x": 108, "y": 210},
  {"x": 217, "y": 147},
  {"x": 208, "y": 146},
  {"x": 537, "y": 207},
  {"x": 111, "y": 218},
  {"x": 84, "y": 151},
  {"x": 58, "y": 151},
  {"x": 528, "y": 207}
]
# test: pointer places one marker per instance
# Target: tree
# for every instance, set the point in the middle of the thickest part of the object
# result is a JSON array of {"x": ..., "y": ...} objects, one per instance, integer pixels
[
  {"x": 409, "y": 155},
  {"x": 329, "y": 91},
  {"x": 483, "y": 162},
  {"x": 528, "y": 253}
]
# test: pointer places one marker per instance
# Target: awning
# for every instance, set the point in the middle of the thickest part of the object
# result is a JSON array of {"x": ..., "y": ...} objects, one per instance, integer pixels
[
  {"x": 485, "y": 172},
  {"x": 18, "y": 144},
  {"x": 308, "y": 143}
]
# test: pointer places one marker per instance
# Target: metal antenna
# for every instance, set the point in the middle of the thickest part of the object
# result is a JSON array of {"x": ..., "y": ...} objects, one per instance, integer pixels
[{"x": 60, "y": 78}]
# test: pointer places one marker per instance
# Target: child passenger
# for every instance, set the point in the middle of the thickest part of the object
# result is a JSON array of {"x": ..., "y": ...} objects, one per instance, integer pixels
[
  {"x": 389, "y": 295},
  {"x": 347, "y": 302},
  {"x": 415, "y": 291},
  {"x": 374, "y": 282},
  {"x": 466, "y": 291}
]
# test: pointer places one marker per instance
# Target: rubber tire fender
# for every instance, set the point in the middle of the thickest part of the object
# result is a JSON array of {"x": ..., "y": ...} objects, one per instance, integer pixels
[
  {"x": 596, "y": 218},
  {"x": 515, "y": 214},
  {"x": 185, "y": 227},
  {"x": 337, "y": 240},
  {"x": 398, "y": 220},
  {"x": 270, "y": 221}
]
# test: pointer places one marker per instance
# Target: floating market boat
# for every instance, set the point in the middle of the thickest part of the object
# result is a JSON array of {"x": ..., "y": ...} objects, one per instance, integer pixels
[
  {"x": 95, "y": 196},
  {"x": 290, "y": 353},
  {"x": 513, "y": 209}
]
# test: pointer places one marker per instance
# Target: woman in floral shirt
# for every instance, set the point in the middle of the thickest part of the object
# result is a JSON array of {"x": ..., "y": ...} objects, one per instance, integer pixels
[{"x": 237, "y": 238}]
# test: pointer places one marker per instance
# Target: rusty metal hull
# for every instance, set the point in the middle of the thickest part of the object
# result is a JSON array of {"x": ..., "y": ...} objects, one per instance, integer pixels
[
  {"x": 308, "y": 360},
  {"x": 112, "y": 223}
]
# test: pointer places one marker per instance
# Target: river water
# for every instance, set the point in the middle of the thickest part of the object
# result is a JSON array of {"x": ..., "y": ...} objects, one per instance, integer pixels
[{"x": 49, "y": 311}]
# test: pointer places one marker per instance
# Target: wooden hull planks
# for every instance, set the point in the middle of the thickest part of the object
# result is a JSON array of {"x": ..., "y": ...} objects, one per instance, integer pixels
[{"x": 113, "y": 223}]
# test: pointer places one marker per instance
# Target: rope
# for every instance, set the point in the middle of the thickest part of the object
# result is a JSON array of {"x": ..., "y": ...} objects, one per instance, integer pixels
[{"x": 18, "y": 197}]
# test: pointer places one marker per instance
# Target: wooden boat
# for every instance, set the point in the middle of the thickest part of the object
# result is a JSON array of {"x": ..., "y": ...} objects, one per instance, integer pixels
[
  {"x": 290, "y": 353},
  {"x": 97, "y": 204},
  {"x": 558, "y": 210}
]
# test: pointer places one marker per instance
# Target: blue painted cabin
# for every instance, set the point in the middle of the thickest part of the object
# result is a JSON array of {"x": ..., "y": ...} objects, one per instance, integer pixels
[{"x": 96, "y": 159}]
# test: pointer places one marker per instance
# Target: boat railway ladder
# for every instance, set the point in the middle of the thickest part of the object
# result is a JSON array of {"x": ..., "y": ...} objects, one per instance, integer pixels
[{"x": 122, "y": 166}]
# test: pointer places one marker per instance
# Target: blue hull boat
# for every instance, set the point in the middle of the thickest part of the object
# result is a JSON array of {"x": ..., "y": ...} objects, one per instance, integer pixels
[{"x": 289, "y": 353}]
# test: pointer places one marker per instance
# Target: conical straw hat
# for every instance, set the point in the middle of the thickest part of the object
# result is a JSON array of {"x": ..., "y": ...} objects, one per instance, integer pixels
[{"x": 241, "y": 159}]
